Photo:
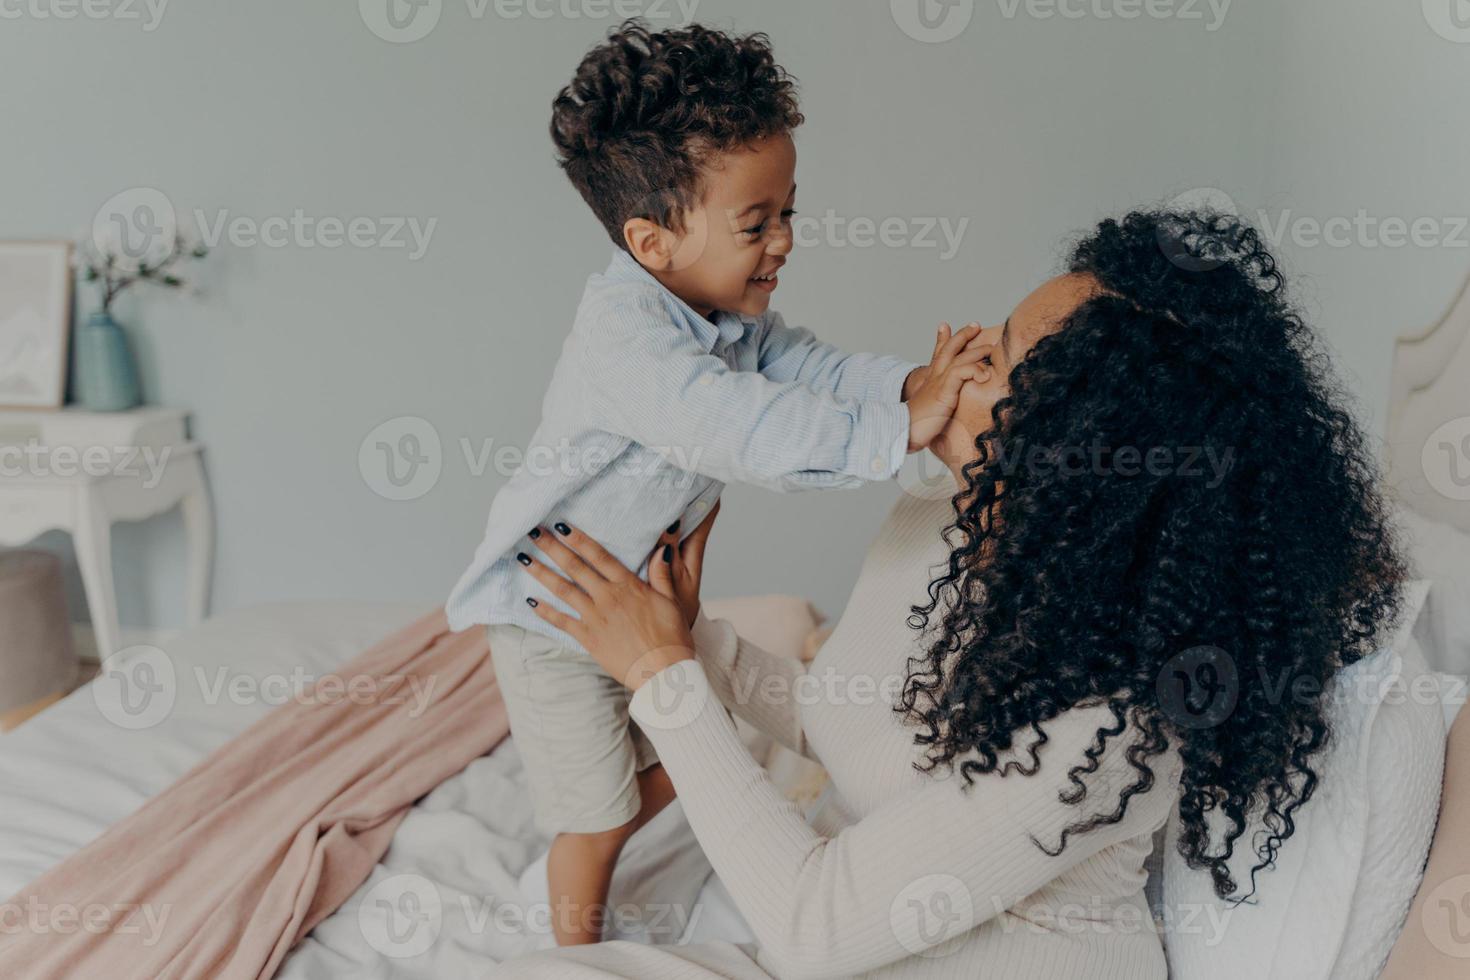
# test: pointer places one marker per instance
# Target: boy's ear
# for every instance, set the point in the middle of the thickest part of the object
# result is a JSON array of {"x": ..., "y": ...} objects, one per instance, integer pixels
[{"x": 650, "y": 243}]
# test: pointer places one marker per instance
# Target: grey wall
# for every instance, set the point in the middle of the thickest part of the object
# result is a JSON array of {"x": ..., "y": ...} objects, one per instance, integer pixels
[
  {"x": 1371, "y": 126},
  {"x": 1029, "y": 126}
]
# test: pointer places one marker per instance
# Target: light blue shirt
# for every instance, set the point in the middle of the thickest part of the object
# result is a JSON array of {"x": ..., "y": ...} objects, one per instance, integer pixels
[{"x": 653, "y": 408}]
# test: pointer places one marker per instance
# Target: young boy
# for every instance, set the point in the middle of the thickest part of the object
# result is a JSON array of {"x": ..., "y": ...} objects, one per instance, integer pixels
[{"x": 676, "y": 378}]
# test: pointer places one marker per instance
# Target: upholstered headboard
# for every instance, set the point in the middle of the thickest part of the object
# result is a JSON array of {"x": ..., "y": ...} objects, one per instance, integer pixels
[{"x": 1429, "y": 418}]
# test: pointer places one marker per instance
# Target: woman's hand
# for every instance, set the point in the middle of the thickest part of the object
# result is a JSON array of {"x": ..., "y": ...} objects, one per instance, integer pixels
[
  {"x": 632, "y": 629},
  {"x": 684, "y": 565}
]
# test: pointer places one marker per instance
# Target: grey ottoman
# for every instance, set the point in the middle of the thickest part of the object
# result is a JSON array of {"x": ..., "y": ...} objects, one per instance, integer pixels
[{"x": 37, "y": 661}]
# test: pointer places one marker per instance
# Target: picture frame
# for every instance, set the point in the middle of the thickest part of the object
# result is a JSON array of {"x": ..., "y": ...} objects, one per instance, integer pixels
[{"x": 35, "y": 322}]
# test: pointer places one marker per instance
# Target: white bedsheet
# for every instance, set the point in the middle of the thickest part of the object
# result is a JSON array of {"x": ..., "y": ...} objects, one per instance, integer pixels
[{"x": 444, "y": 901}]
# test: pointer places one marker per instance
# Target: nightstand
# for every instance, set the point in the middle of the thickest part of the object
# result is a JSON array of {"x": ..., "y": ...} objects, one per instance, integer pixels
[{"x": 82, "y": 472}]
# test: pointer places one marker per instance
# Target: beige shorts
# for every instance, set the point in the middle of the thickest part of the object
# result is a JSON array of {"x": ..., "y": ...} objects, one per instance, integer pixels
[{"x": 570, "y": 724}]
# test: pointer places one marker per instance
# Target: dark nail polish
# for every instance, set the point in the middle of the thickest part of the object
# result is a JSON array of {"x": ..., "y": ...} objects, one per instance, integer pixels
[
  {"x": 562, "y": 529},
  {"x": 523, "y": 558},
  {"x": 673, "y": 528},
  {"x": 535, "y": 533},
  {"x": 668, "y": 553},
  {"x": 532, "y": 602}
]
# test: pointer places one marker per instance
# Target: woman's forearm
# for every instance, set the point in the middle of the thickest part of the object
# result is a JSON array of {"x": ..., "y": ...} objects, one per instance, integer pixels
[
  {"x": 825, "y": 906},
  {"x": 757, "y": 686}
]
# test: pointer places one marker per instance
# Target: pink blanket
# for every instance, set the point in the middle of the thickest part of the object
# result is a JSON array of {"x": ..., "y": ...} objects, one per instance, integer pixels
[{"x": 261, "y": 841}]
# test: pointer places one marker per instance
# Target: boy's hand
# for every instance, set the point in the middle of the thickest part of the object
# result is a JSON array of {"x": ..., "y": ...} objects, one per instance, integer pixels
[
  {"x": 919, "y": 375},
  {"x": 935, "y": 398}
]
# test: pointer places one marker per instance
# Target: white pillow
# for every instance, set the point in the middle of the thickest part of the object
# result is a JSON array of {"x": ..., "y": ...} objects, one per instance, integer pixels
[
  {"x": 1441, "y": 554},
  {"x": 1343, "y": 882}
]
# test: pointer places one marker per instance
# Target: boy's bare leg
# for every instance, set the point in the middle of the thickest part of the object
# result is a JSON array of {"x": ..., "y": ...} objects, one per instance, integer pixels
[{"x": 579, "y": 868}]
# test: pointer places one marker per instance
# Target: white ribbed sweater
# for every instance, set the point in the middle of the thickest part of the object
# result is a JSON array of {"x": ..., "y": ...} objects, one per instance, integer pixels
[{"x": 899, "y": 874}]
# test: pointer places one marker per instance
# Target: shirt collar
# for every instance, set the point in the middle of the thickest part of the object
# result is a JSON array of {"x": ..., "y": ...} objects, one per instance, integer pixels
[{"x": 725, "y": 330}]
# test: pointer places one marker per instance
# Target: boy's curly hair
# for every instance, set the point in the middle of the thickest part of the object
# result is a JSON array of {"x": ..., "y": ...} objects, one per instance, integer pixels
[{"x": 646, "y": 111}]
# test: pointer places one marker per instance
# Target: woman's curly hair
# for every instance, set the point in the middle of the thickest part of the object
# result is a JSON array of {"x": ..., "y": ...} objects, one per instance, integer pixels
[
  {"x": 1107, "y": 583},
  {"x": 647, "y": 111}
]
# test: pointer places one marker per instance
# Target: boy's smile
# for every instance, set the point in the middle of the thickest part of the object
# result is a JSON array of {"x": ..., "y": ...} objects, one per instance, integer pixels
[{"x": 737, "y": 238}]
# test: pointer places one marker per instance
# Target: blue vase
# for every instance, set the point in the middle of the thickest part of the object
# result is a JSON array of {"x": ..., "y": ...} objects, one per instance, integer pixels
[{"x": 107, "y": 376}]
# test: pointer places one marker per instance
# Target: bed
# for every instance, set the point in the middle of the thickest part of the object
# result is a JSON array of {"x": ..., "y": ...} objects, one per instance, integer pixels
[
  {"x": 1428, "y": 451},
  {"x": 467, "y": 853}
]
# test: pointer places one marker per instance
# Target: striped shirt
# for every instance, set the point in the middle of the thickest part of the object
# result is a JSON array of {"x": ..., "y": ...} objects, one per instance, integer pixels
[{"x": 653, "y": 408}]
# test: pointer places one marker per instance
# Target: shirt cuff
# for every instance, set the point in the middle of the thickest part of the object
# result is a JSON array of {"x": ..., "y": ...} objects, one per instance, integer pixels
[
  {"x": 893, "y": 384},
  {"x": 880, "y": 441}
]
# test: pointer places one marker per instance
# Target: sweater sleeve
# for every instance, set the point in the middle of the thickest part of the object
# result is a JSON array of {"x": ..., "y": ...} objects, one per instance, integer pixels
[
  {"x": 755, "y": 685},
  {"x": 912, "y": 874}
]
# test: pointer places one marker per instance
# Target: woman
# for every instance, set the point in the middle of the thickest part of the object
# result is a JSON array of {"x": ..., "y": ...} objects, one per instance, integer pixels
[{"x": 1167, "y": 527}]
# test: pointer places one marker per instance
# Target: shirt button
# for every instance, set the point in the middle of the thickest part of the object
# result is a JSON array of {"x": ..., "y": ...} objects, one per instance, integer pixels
[
  {"x": 706, "y": 379},
  {"x": 879, "y": 464},
  {"x": 701, "y": 506}
]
